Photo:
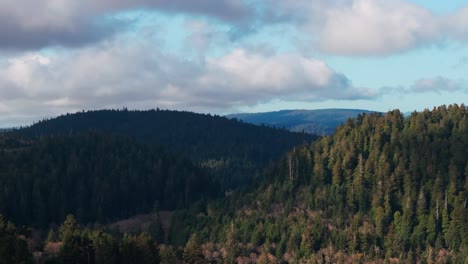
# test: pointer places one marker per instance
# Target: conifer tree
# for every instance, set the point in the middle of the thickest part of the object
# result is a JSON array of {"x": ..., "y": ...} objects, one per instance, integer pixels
[
  {"x": 232, "y": 248},
  {"x": 193, "y": 252}
]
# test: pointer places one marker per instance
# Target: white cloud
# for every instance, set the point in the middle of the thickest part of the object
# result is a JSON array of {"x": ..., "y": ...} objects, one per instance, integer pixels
[
  {"x": 241, "y": 70},
  {"x": 343, "y": 27},
  {"x": 377, "y": 27},
  {"x": 200, "y": 35},
  {"x": 371, "y": 27},
  {"x": 438, "y": 84},
  {"x": 116, "y": 73},
  {"x": 203, "y": 37},
  {"x": 457, "y": 24},
  {"x": 26, "y": 24}
]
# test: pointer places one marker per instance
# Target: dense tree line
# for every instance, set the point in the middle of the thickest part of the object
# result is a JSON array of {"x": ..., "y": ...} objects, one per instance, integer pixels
[
  {"x": 97, "y": 177},
  {"x": 13, "y": 243},
  {"x": 233, "y": 151},
  {"x": 72, "y": 243},
  {"x": 382, "y": 187}
]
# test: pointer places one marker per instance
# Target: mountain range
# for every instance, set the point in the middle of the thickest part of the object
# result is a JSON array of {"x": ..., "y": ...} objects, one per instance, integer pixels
[{"x": 319, "y": 122}]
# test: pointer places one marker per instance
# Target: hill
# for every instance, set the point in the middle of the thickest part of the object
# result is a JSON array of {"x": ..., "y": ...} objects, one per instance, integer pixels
[
  {"x": 95, "y": 176},
  {"x": 318, "y": 122},
  {"x": 383, "y": 187},
  {"x": 233, "y": 151}
]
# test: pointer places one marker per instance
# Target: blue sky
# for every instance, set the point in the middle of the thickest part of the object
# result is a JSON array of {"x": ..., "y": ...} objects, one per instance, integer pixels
[{"x": 225, "y": 56}]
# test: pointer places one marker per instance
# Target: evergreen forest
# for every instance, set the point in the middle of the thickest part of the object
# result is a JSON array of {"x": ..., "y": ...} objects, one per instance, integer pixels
[
  {"x": 233, "y": 151},
  {"x": 384, "y": 188}
]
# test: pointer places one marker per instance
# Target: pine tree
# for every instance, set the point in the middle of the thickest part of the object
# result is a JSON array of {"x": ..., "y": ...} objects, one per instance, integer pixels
[
  {"x": 69, "y": 228},
  {"x": 232, "y": 248},
  {"x": 167, "y": 254},
  {"x": 52, "y": 236},
  {"x": 192, "y": 252}
]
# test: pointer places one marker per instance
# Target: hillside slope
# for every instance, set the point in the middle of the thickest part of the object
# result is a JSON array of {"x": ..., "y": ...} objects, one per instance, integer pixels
[
  {"x": 382, "y": 187},
  {"x": 97, "y": 177},
  {"x": 318, "y": 122},
  {"x": 233, "y": 151}
]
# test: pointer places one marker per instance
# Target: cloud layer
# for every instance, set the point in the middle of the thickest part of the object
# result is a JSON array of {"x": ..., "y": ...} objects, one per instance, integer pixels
[
  {"x": 113, "y": 75},
  {"x": 28, "y": 24},
  {"x": 65, "y": 55},
  {"x": 371, "y": 27},
  {"x": 377, "y": 27},
  {"x": 438, "y": 84},
  {"x": 344, "y": 27}
]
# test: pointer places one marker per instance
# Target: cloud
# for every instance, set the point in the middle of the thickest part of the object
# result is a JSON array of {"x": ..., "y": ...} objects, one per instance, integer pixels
[
  {"x": 203, "y": 37},
  {"x": 28, "y": 24},
  {"x": 370, "y": 27},
  {"x": 115, "y": 74},
  {"x": 343, "y": 27},
  {"x": 257, "y": 77},
  {"x": 437, "y": 84},
  {"x": 457, "y": 24},
  {"x": 228, "y": 10}
]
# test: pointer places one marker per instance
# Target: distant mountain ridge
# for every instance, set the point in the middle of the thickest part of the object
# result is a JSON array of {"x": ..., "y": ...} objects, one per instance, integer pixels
[{"x": 319, "y": 121}]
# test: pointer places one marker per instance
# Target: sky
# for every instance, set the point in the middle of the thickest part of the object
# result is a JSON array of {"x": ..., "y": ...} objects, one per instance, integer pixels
[{"x": 229, "y": 56}]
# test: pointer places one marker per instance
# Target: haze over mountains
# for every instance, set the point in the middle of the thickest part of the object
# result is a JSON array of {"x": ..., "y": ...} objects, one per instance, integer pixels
[{"x": 318, "y": 122}]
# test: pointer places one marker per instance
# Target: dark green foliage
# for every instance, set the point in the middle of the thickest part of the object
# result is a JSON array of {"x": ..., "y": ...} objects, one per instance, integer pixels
[
  {"x": 13, "y": 246},
  {"x": 96, "y": 177},
  {"x": 233, "y": 151},
  {"x": 138, "y": 249},
  {"x": 80, "y": 246},
  {"x": 69, "y": 228},
  {"x": 232, "y": 248},
  {"x": 167, "y": 254},
  {"x": 193, "y": 252},
  {"x": 106, "y": 247},
  {"x": 383, "y": 186},
  {"x": 52, "y": 236}
]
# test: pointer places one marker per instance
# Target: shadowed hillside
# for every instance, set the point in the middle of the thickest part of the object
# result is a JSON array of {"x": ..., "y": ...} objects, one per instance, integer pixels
[
  {"x": 95, "y": 176},
  {"x": 233, "y": 151}
]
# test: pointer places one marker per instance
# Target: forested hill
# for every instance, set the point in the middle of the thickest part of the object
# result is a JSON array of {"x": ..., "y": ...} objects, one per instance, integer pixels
[
  {"x": 319, "y": 122},
  {"x": 97, "y": 177},
  {"x": 382, "y": 187},
  {"x": 234, "y": 151}
]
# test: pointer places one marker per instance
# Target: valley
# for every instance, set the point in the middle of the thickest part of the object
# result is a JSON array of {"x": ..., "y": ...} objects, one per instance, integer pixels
[{"x": 382, "y": 187}]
